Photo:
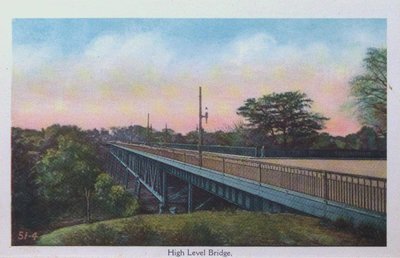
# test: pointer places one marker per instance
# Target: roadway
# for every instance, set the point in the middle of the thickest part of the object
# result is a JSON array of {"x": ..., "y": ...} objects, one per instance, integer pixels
[{"x": 375, "y": 168}]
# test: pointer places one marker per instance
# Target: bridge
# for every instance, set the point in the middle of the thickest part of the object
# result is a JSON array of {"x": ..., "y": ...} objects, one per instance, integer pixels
[{"x": 249, "y": 184}]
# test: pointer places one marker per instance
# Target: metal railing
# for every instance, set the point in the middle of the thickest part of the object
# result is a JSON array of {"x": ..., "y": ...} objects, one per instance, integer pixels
[
  {"x": 326, "y": 154},
  {"x": 234, "y": 150},
  {"x": 356, "y": 190}
]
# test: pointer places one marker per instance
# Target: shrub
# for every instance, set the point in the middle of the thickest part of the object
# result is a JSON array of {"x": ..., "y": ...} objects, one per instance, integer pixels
[
  {"x": 104, "y": 235},
  {"x": 103, "y": 186},
  {"x": 131, "y": 207},
  {"x": 371, "y": 232},
  {"x": 343, "y": 224},
  {"x": 114, "y": 198},
  {"x": 140, "y": 233},
  {"x": 199, "y": 234}
]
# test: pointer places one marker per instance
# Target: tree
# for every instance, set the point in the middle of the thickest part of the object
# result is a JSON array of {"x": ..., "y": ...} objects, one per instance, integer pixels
[
  {"x": 369, "y": 91},
  {"x": 284, "y": 117},
  {"x": 114, "y": 198},
  {"x": 51, "y": 135},
  {"x": 192, "y": 137},
  {"x": 365, "y": 139},
  {"x": 167, "y": 135},
  {"x": 178, "y": 138},
  {"x": 323, "y": 141},
  {"x": 67, "y": 174},
  {"x": 25, "y": 148}
]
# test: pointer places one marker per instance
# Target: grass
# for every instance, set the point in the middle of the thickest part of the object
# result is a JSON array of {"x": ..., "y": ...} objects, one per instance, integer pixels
[{"x": 206, "y": 229}]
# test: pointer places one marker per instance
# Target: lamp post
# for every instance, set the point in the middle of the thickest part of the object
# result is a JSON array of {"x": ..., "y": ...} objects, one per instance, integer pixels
[{"x": 201, "y": 116}]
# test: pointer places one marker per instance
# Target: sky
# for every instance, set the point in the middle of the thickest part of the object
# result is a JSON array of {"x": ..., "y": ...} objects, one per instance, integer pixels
[{"x": 98, "y": 73}]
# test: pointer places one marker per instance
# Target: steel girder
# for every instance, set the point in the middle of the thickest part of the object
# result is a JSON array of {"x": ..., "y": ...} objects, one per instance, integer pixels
[
  {"x": 146, "y": 172},
  {"x": 153, "y": 175}
]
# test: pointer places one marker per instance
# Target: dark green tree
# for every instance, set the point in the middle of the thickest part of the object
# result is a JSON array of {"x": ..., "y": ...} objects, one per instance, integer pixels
[
  {"x": 167, "y": 135},
  {"x": 25, "y": 146},
  {"x": 323, "y": 141},
  {"x": 192, "y": 137},
  {"x": 114, "y": 198},
  {"x": 66, "y": 175},
  {"x": 285, "y": 117},
  {"x": 369, "y": 91}
]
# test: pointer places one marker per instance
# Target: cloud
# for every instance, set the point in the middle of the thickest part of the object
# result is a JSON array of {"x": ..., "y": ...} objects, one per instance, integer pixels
[
  {"x": 258, "y": 65},
  {"x": 252, "y": 49},
  {"x": 119, "y": 78}
]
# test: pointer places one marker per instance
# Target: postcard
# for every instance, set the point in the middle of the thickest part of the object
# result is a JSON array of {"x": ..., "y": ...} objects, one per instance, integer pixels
[{"x": 181, "y": 129}]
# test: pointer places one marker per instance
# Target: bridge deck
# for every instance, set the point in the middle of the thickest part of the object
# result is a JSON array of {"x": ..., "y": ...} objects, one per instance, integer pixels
[
  {"x": 374, "y": 168},
  {"x": 361, "y": 167}
]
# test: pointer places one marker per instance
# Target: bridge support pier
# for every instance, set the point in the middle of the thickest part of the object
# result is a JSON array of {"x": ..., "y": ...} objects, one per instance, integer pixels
[
  {"x": 190, "y": 197},
  {"x": 138, "y": 186},
  {"x": 164, "y": 203},
  {"x": 126, "y": 180}
]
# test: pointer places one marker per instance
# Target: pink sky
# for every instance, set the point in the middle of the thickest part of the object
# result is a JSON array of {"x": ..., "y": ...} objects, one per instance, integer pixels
[{"x": 117, "y": 80}]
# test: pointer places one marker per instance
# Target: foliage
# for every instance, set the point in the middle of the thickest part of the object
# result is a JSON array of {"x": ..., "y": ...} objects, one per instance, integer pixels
[
  {"x": 103, "y": 187},
  {"x": 370, "y": 90},
  {"x": 114, "y": 198},
  {"x": 66, "y": 175},
  {"x": 105, "y": 235},
  {"x": 324, "y": 141},
  {"x": 53, "y": 175},
  {"x": 362, "y": 230},
  {"x": 198, "y": 233},
  {"x": 41, "y": 160},
  {"x": 192, "y": 137},
  {"x": 52, "y": 133},
  {"x": 370, "y": 231},
  {"x": 208, "y": 228},
  {"x": 167, "y": 135},
  {"x": 25, "y": 153},
  {"x": 285, "y": 117},
  {"x": 343, "y": 224},
  {"x": 134, "y": 133}
]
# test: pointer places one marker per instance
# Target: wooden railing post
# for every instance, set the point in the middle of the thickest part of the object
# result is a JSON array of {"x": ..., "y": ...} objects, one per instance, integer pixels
[{"x": 259, "y": 170}]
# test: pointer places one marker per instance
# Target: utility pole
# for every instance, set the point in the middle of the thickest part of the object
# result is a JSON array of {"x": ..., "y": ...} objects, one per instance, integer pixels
[
  {"x": 150, "y": 133},
  {"x": 166, "y": 133},
  {"x": 148, "y": 129},
  {"x": 201, "y": 116}
]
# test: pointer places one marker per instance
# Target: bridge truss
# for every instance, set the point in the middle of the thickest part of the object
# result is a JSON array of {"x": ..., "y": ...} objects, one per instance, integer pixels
[{"x": 270, "y": 188}]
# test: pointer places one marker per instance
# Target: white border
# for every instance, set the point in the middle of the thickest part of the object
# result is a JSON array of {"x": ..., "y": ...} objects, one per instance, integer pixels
[{"x": 389, "y": 9}]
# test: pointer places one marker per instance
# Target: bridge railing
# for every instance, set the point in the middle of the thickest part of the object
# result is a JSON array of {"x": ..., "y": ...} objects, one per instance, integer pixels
[
  {"x": 360, "y": 191},
  {"x": 234, "y": 150}
]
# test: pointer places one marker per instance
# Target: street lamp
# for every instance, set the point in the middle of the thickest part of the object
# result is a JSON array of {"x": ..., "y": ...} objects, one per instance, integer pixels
[{"x": 201, "y": 116}]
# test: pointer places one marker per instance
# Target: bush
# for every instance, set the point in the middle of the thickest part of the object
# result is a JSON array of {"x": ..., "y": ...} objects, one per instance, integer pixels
[
  {"x": 140, "y": 233},
  {"x": 104, "y": 235},
  {"x": 131, "y": 208},
  {"x": 199, "y": 234},
  {"x": 343, "y": 224},
  {"x": 114, "y": 198},
  {"x": 103, "y": 186},
  {"x": 371, "y": 232}
]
